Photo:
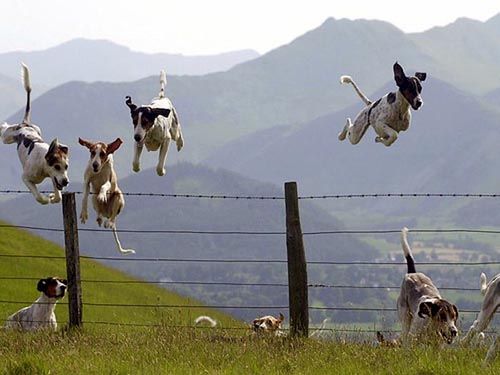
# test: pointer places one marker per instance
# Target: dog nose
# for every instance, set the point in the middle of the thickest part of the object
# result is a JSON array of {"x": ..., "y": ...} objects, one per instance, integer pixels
[
  {"x": 95, "y": 166},
  {"x": 454, "y": 332},
  {"x": 65, "y": 182},
  {"x": 137, "y": 138}
]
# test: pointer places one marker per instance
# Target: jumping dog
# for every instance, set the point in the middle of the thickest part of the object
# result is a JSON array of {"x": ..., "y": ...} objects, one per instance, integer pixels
[
  {"x": 107, "y": 198},
  {"x": 388, "y": 115},
  {"x": 154, "y": 126},
  {"x": 39, "y": 159}
]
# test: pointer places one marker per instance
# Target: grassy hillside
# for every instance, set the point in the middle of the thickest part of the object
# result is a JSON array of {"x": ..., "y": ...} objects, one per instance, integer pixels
[{"x": 119, "y": 288}]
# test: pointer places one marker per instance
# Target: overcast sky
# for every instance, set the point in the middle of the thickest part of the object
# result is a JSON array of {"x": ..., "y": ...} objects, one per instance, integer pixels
[{"x": 206, "y": 27}]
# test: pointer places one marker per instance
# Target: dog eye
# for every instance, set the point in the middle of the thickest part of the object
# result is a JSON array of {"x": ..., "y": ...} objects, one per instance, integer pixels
[
  {"x": 66, "y": 167},
  {"x": 92, "y": 153},
  {"x": 102, "y": 154},
  {"x": 57, "y": 167}
]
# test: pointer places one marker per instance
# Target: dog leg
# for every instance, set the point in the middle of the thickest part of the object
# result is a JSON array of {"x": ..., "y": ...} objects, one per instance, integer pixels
[
  {"x": 162, "y": 158},
  {"x": 490, "y": 356},
  {"x": 102, "y": 197},
  {"x": 34, "y": 190},
  {"x": 84, "y": 214},
  {"x": 55, "y": 197},
  {"x": 388, "y": 136},
  {"x": 136, "y": 166},
  {"x": 343, "y": 134},
  {"x": 482, "y": 322},
  {"x": 354, "y": 131}
]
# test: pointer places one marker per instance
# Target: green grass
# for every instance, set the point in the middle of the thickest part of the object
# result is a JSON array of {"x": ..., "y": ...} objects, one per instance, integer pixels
[
  {"x": 166, "y": 350},
  {"x": 124, "y": 289}
]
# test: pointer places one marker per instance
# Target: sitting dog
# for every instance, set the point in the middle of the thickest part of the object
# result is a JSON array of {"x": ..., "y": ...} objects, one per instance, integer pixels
[
  {"x": 268, "y": 325},
  {"x": 39, "y": 160},
  {"x": 424, "y": 315},
  {"x": 154, "y": 126},
  {"x": 388, "y": 115},
  {"x": 491, "y": 302},
  {"x": 107, "y": 198},
  {"x": 40, "y": 315}
]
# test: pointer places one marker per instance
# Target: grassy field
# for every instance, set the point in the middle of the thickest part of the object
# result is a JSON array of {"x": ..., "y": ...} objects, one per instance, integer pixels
[
  {"x": 166, "y": 350},
  {"x": 159, "y": 340}
]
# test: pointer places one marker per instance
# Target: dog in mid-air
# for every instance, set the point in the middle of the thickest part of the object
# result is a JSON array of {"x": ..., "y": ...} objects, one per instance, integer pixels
[
  {"x": 491, "y": 302},
  {"x": 100, "y": 175},
  {"x": 40, "y": 315},
  {"x": 424, "y": 315},
  {"x": 155, "y": 125},
  {"x": 39, "y": 159},
  {"x": 388, "y": 115}
]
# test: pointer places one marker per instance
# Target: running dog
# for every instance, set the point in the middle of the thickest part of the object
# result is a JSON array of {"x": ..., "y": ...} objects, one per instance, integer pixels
[
  {"x": 491, "y": 302},
  {"x": 424, "y": 315},
  {"x": 40, "y": 315},
  {"x": 388, "y": 115},
  {"x": 154, "y": 126},
  {"x": 107, "y": 198},
  {"x": 39, "y": 159}
]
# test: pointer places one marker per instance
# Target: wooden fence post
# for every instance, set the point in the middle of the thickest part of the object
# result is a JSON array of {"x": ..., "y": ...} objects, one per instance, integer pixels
[
  {"x": 297, "y": 266},
  {"x": 72, "y": 259}
]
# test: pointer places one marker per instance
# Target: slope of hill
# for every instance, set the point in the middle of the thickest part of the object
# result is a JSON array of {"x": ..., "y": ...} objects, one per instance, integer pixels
[
  {"x": 464, "y": 47},
  {"x": 102, "y": 60},
  {"x": 144, "y": 214},
  {"x": 20, "y": 277}
]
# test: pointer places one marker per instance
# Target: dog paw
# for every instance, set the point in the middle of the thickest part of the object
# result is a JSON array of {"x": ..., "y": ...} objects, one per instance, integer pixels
[
  {"x": 160, "y": 171},
  {"x": 102, "y": 197},
  {"x": 136, "y": 167},
  {"x": 99, "y": 221},
  {"x": 54, "y": 198},
  {"x": 379, "y": 139},
  {"x": 83, "y": 217},
  {"x": 109, "y": 224},
  {"x": 42, "y": 199}
]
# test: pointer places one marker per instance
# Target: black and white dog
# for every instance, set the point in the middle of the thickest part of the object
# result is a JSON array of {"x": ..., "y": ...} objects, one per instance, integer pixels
[
  {"x": 39, "y": 159},
  {"x": 40, "y": 315},
  {"x": 388, "y": 115},
  {"x": 154, "y": 126}
]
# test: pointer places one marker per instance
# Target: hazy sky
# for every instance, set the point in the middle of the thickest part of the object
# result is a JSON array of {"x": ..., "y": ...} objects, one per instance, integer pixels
[{"x": 206, "y": 27}]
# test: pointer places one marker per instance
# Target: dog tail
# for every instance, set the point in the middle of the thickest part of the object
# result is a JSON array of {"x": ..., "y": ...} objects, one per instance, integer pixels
[
  {"x": 348, "y": 79},
  {"x": 484, "y": 285},
  {"x": 27, "y": 88},
  {"x": 205, "y": 319},
  {"x": 410, "y": 262},
  {"x": 163, "y": 84},
  {"x": 119, "y": 245}
]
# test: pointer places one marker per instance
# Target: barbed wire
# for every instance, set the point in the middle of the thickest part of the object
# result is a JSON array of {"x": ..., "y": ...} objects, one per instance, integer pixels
[{"x": 306, "y": 197}]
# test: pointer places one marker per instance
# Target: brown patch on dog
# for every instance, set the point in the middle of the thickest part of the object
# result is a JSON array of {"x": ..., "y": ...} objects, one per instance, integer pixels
[
  {"x": 49, "y": 286},
  {"x": 268, "y": 323}
]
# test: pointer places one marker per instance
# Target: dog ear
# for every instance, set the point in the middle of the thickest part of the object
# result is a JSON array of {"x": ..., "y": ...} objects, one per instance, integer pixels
[
  {"x": 113, "y": 146},
  {"x": 429, "y": 309},
  {"x": 455, "y": 308},
  {"x": 65, "y": 282},
  {"x": 399, "y": 74},
  {"x": 42, "y": 285},
  {"x": 84, "y": 142},
  {"x": 63, "y": 148},
  {"x": 160, "y": 112},
  {"x": 128, "y": 102},
  {"x": 421, "y": 76},
  {"x": 281, "y": 318}
]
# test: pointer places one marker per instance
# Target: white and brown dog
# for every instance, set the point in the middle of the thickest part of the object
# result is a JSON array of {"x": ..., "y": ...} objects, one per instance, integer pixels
[
  {"x": 268, "y": 325},
  {"x": 39, "y": 159},
  {"x": 154, "y": 126},
  {"x": 491, "y": 302},
  {"x": 424, "y": 315},
  {"x": 40, "y": 315},
  {"x": 388, "y": 115},
  {"x": 100, "y": 175}
]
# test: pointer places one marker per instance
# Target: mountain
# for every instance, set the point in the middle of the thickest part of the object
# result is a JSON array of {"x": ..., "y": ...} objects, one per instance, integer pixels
[
  {"x": 157, "y": 213},
  {"x": 468, "y": 52},
  {"x": 101, "y": 60},
  {"x": 451, "y": 146}
]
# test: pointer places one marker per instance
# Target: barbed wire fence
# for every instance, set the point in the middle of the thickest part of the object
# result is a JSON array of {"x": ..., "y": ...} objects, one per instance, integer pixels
[{"x": 298, "y": 285}]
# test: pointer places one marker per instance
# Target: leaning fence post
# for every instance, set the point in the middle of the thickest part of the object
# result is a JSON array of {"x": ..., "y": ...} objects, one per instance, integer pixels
[
  {"x": 72, "y": 259},
  {"x": 297, "y": 266}
]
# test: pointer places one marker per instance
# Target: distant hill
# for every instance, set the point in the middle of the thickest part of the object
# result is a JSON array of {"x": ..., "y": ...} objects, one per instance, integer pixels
[
  {"x": 191, "y": 214},
  {"x": 101, "y": 60}
]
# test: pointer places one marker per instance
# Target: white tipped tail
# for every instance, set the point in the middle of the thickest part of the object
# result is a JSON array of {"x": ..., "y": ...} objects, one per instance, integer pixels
[
  {"x": 27, "y": 87},
  {"x": 163, "y": 83},
  {"x": 205, "y": 319},
  {"x": 404, "y": 242},
  {"x": 119, "y": 245},
  {"x": 484, "y": 285},
  {"x": 348, "y": 79}
]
